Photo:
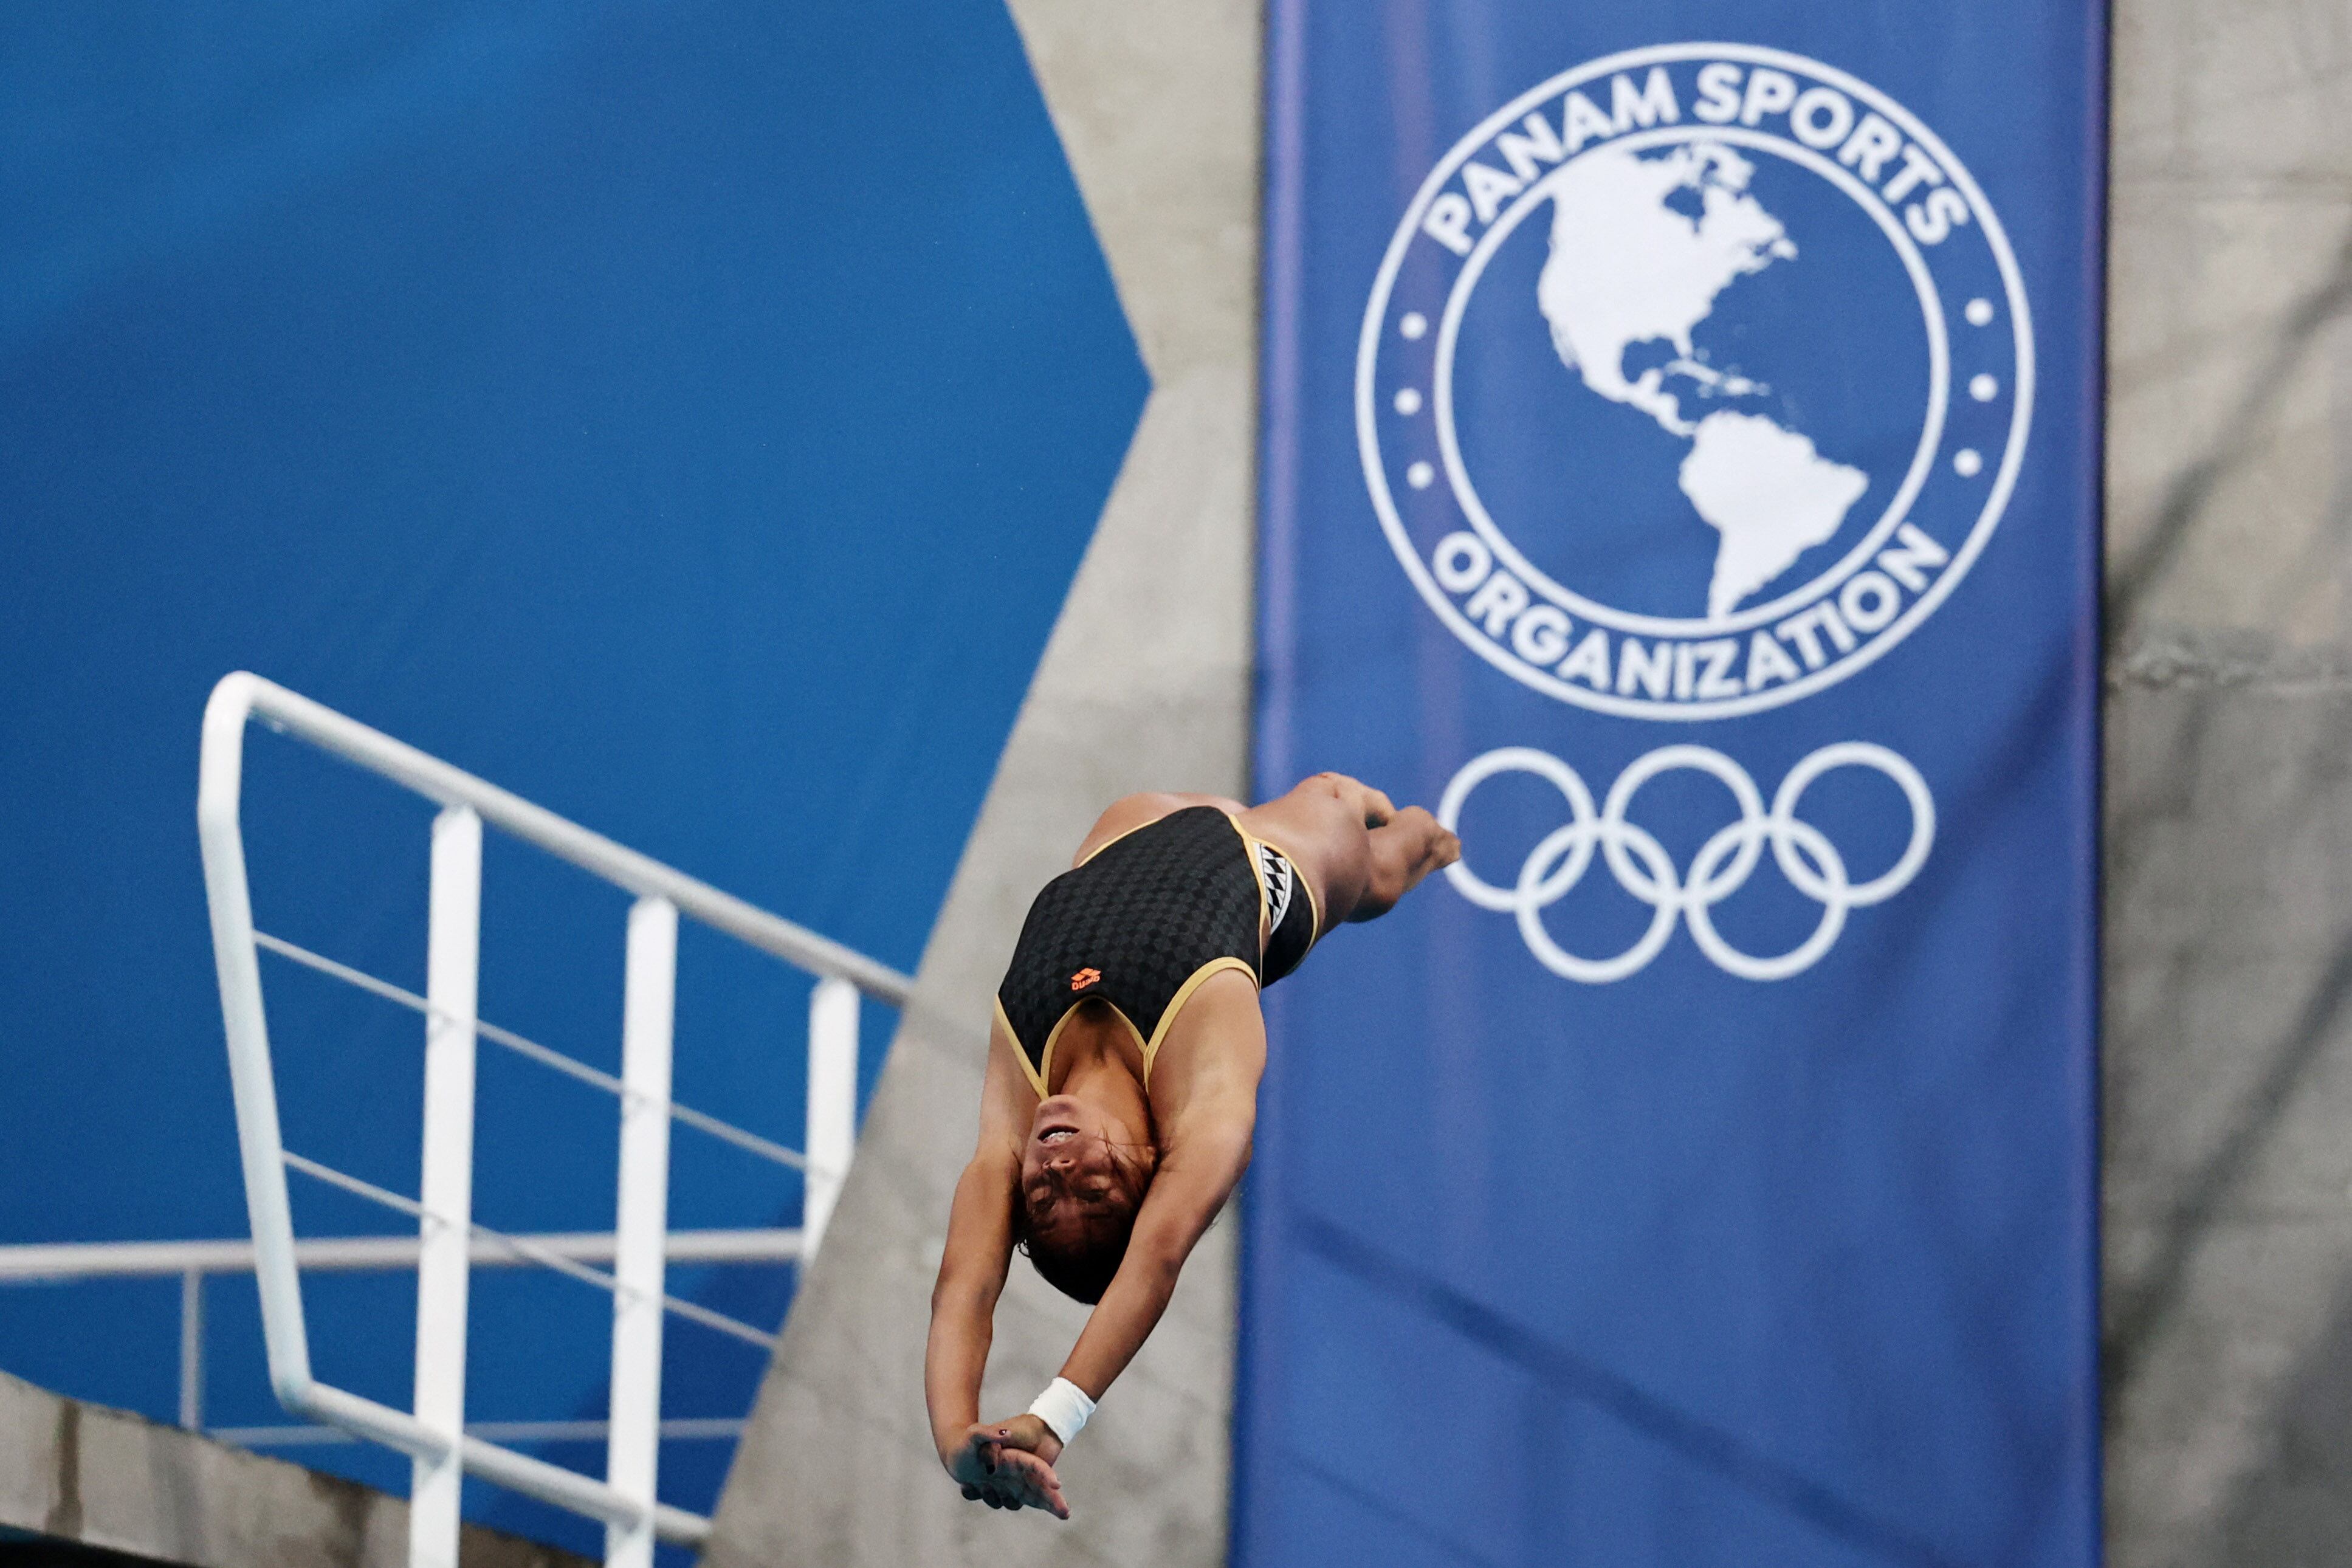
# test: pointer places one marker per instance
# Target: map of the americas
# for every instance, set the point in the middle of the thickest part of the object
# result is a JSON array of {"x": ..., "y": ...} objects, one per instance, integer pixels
[{"x": 1629, "y": 265}]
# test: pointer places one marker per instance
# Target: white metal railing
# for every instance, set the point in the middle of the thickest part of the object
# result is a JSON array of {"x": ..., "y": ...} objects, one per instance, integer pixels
[
  {"x": 449, "y": 1242},
  {"x": 193, "y": 1263}
]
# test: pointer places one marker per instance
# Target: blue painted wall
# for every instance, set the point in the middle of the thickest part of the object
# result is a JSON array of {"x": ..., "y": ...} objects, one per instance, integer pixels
[{"x": 689, "y": 416}]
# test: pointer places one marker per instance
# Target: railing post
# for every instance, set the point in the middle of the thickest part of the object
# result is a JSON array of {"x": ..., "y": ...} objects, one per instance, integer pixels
[
  {"x": 832, "y": 1105},
  {"x": 453, "y": 951},
  {"x": 245, "y": 1023},
  {"x": 191, "y": 1350},
  {"x": 633, "y": 1448}
]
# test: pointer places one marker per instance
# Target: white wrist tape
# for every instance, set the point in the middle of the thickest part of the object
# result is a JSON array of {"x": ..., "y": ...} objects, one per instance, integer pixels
[{"x": 1064, "y": 1407}]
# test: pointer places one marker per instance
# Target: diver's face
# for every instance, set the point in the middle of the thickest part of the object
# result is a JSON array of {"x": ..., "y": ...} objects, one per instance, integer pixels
[{"x": 1068, "y": 1175}]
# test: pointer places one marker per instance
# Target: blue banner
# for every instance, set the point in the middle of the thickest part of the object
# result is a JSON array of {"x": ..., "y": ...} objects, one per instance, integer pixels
[{"x": 1680, "y": 471}]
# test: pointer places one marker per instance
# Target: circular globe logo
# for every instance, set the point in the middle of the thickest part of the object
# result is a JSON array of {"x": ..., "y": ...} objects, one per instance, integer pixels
[{"x": 1692, "y": 381}]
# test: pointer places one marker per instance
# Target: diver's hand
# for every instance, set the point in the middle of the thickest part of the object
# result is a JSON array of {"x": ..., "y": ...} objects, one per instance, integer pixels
[
  {"x": 1030, "y": 1433},
  {"x": 1009, "y": 1464}
]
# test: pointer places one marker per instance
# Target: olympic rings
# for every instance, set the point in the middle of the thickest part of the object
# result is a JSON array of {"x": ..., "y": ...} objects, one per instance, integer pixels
[{"x": 1721, "y": 867}]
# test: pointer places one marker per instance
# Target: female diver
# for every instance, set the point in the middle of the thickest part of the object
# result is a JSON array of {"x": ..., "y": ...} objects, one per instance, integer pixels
[{"x": 1122, "y": 1082}]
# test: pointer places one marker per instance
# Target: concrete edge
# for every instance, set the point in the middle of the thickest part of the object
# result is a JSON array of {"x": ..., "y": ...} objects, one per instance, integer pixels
[{"x": 109, "y": 1478}]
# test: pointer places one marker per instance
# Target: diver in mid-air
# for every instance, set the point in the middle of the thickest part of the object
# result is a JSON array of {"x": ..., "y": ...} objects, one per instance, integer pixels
[{"x": 1123, "y": 1068}]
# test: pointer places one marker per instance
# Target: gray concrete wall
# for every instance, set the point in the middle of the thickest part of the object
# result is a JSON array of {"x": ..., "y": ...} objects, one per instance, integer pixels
[
  {"x": 2229, "y": 834},
  {"x": 1145, "y": 685},
  {"x": 104, "y": 1478}
]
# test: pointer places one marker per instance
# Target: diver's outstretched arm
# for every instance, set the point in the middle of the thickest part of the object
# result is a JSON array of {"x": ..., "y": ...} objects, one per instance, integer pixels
[
  {"x": 1192, "y": 1184},
  {"x": 964, "y": 1311},
  {"x": 963, "y": 1302},
  {"x": 1010, "y": 1464},
  {"x": 973, "y": 1267}
]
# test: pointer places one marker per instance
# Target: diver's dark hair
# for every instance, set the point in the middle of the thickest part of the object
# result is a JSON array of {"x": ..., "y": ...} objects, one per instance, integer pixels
[{"x": 1082, "y": 1266}]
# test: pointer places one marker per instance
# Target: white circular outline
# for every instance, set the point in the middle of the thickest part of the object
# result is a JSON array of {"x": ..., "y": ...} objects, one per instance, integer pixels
[
  {"x": 1936, "y": 323},
  {"x": 1720, "y": 868},
  {"x": 1979, "y": 534}
]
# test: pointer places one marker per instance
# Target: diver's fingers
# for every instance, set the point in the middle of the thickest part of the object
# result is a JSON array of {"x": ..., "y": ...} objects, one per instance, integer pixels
[
  {"x": 1046, "y": 1490},
  {"x": 1032, "y": 1482}
]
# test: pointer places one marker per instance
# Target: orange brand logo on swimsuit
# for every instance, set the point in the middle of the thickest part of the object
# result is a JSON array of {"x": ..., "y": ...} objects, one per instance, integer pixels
[{"x": 1083, "y": 978}]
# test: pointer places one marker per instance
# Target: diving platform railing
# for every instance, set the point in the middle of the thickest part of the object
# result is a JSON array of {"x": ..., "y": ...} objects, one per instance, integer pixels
[{"x": 449, "y": 1242}]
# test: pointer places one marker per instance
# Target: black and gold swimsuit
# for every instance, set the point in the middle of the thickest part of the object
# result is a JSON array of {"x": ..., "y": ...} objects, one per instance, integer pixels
[{"x": 1146, "y": 917}]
